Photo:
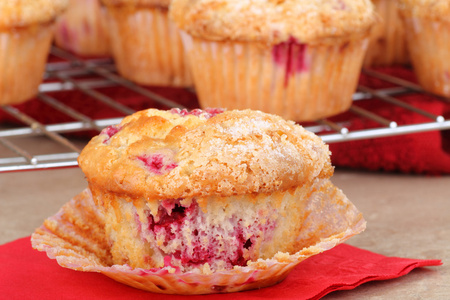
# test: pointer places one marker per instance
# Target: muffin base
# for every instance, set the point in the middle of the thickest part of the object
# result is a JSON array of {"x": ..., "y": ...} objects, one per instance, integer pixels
[
  {"x": 75, "y": 238},
  {"x": 213, "y": 233},
  {"x": 296, "y": 81},
  {"x": 429, "y": 45},
  {"x": 23, "y": 54},
  {"x": 147, "y": 47}
]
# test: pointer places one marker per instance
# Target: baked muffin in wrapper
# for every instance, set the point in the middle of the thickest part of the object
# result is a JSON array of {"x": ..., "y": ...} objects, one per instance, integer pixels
[
  {"x": 200, "y": 202},
  {"x": 146, "y": 45},
  {"x": 26, "y": 32},
  {"x": 83, "y": 29},
  {"x": 427, "y": 26},
  {"x": 387, "y": 44},
  {"x": 297, "y": 59}
]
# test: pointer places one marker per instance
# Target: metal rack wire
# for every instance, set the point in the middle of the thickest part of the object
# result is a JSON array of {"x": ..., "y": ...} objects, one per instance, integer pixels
[{"x": 67, "y": 75}]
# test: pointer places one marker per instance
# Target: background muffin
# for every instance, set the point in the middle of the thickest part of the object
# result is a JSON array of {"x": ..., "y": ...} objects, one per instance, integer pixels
[
  {"x": 387, "y": 38},
  {"x": 297, "y": 59},
  {"x": 146, "y": 46},
  {"x": 427, "y": 26},
  {"x": 82, "y": 29},
  {"x": 26, "y": 32},
  {"x": 204, "y": 190}
]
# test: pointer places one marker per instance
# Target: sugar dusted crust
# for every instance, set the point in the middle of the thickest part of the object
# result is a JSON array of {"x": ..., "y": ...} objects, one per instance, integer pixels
[
  {"x": 273, "y": 21},
  {"x": 156, "y": 155},
  {"x": 18, "y": 13},
  {"x": 429, "y": 9}
]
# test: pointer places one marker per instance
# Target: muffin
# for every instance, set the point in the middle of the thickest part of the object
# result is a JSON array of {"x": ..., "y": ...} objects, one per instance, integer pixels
[
  {"x": 427, "y": 26},
  {"x": 26, "y": 32},
  {"x": 297, "y": 59},
  {"x": 387, "y": 45},
  {"x": 200, "y": 202},
  {"x": 83, "y": 30},
  {"x": 207, "y": 189},
  {"x": 146, "y": 45}
]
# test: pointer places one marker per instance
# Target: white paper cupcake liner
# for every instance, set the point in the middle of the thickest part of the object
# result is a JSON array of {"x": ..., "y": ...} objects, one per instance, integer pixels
[
  {"x": 296, "y": 81},
  {"x": 429, "y": 46},
  {"x": 75, "y": 238},
  {"x": 23, "y": 54}
]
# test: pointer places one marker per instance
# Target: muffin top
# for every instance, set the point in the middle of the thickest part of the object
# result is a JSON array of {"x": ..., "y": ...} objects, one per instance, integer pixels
[
  {"x": 178, "y": 154},
  {"x": 137, "y": 3},
  {"x": 19, "y": 13},
  {"x": 273, "y": 21},
  {"x": 432, "y": 9}
]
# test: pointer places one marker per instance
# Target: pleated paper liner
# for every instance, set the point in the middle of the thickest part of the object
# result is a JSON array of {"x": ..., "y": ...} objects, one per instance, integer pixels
[
  {"x": 297, "y": 81},
  {"x": 147, "y": 47},
  {"x": 23, "y": 54}
]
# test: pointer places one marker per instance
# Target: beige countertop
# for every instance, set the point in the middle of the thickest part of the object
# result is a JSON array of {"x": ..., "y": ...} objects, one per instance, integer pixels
[{"x": 407, "y": 216}]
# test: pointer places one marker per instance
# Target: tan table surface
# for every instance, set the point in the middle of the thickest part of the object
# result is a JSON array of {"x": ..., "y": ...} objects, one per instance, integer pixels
[{"x": 408, "y": 216}]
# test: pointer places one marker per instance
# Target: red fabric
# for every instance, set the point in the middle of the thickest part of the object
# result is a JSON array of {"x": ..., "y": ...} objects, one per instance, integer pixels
[
  {"x": 95, "y": 109},
  {"x": 29, "y": 274},
  {"x": 421, "y": 153}
]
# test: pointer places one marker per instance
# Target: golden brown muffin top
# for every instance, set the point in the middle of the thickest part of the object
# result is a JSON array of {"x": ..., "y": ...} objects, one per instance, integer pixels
[
  {"x": 137, "y": 3},
  {"x": 432, "y": 9},
  {"x": 19, "y": 13},
  {"x": 273, "y": 21},
  {"x": 175, "y": 154}
]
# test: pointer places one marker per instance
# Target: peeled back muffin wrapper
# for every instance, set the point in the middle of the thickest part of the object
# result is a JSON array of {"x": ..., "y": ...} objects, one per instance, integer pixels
[
  {"x": 75, "y": 238},
  {"x": 194, "y": 243}
]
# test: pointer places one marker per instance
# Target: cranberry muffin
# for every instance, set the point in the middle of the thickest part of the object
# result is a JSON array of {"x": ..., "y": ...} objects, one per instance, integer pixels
[
  {"x": 205, "y": 189},
  {"x": 299, "y": 59},
  {"x": 146, "y": 45},
  {"x": 427, "y": 26},
  {"x": 83, "y": 29},
  {"x": 200, "y": 202}
]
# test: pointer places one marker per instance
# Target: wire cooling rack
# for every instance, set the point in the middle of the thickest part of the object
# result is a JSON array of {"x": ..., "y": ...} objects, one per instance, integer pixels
[{"x": 36, "y": 145}]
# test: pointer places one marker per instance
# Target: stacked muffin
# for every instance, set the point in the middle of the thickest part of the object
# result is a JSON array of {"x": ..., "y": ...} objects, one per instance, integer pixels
[{"x": 26, "y": 32}]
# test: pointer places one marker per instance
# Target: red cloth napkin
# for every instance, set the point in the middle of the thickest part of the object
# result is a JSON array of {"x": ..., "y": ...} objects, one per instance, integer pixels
[
  {"x": 29, "y": 274},
  {"x": 420, "y": 153}
]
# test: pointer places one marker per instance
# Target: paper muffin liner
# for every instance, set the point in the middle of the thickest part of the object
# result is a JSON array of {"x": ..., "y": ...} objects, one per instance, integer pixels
[
  {"x": 147, "y": 47},
  {"x": 429, "y": 46},
  {"x": 83, "y": 29},
  {"x": 75, "y": 238},
  {"x": 23, "y": 54},
  {"x": 387, "y": 37},
  {"x": 296, "y": 81}
]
